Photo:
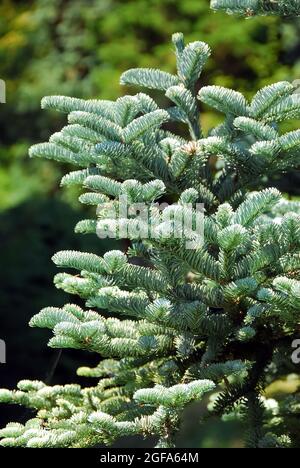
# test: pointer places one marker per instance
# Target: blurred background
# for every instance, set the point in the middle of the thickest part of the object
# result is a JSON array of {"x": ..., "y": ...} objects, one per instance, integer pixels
[{"x": 80, "y": 48}]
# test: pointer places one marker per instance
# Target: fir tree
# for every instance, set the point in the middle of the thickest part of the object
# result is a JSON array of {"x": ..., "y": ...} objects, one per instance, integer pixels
[
  {"x": 171, "y": 325},
  {"x": 258, "y": 7}
]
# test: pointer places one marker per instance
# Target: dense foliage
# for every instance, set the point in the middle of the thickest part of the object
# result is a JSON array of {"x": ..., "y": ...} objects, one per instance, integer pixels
[
  {"x": 175, "y": 324},
  {"x": 262, "y": 7},
  {"x": 184, "y": 322},
  {"x": 84, "y": 50}
]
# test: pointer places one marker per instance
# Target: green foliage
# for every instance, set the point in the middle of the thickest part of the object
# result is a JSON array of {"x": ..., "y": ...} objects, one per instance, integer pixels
[
  {"x": 26, "y": 287},
  {"x": 259, "y": 7},
  {"x": 172, "y": 323},
  {"x": 84, "y": 50}
]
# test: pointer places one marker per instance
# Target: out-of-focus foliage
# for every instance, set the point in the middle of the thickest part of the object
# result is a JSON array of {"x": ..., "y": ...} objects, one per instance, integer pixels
[
  {"x": 81, "y": 48},
  {"x": 29, "y": 235}
]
